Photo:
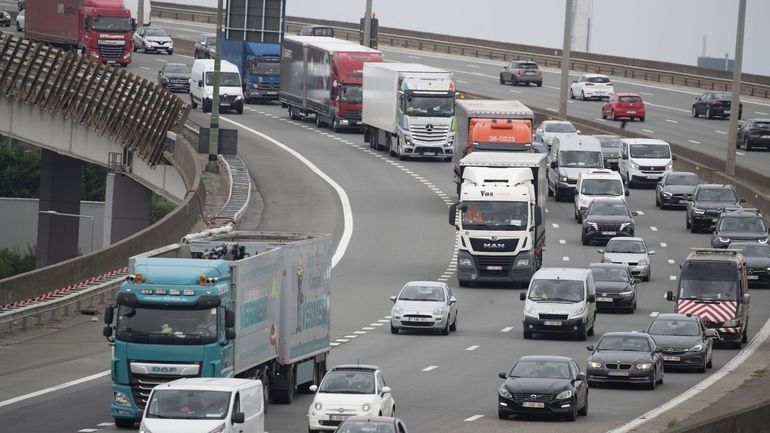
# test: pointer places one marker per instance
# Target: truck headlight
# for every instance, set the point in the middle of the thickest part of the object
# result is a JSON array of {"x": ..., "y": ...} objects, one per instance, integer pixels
[
  {"x": 522, "y": 262},
  {"x": 670, "y": 165},
  {"x": 564, "y": 395},
  {"x": 644, "y": 366},
  {"x": 255, "y": 85},
  {"x": 121, "y": 399},
  {"x": 696, "y": 348},
  {"x": 503, "y": 391},
  {"x": 577, "y": 312},
  {"x": 593, "y": 364},
  {"x": 633, "y": 165},
  {"x": 466, "y": 262},
  {"x": 529, "y": 311},
  {"x": 238, "y": 97}
]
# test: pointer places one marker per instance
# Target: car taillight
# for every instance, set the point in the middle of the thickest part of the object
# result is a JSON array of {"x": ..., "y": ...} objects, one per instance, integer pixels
[
  {"x": 716, "y": 103},
  {"x": 608, "y": 83}
]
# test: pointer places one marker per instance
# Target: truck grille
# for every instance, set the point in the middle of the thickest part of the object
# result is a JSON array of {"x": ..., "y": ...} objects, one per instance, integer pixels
[
  {"x": 111, "y": 50},
  {"x": 142, "y": 384},
  {"x": 352, "y": 115},
  {"x": 502, "y": 245},
  {"x": 268, "y": 86},
  {"x": 429, "y": 133}
]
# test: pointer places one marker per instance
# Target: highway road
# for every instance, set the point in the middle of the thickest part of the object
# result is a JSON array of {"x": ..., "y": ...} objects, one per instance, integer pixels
[{"x": 399, "y": 233}]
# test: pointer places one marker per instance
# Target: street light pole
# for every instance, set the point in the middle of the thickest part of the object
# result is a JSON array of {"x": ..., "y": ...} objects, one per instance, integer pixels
[
  {"x": 565, "y": 53},
  {"x": 735, "y": 105},
  {"x": 140, "y": 13},
  {"x": 368, "y": 24},
  {"x": 74, "y": 215},
  {"x": 211, "y": 166}
]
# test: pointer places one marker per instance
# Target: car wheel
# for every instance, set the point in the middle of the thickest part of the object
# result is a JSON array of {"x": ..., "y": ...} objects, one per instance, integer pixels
[
  {"x": 657, "y": 200},
  {"x": 641, "y": 119},
  {"x": 453, "y": 326},
  {"x": 694, "y": 111},
  {"x": 590, "y": 332},
  {"x": 653, "y": 382},
  {"x": 584, "y": 410},
  {"x": 193, "y": 104},
  {"x": 170, "y": 52},
  {"x": 612, "y": 116},
  {"x": 336, "y": 125},
  {"x": 708, "y": 113},
  {"x": 710, "y": 363},
  {"x": 18, "y": 29},
  {"x": 693, "y": 228},
  {"x": 746, "y": 144},
  {"x": 501, "y": 414},
  {"x": 745, "y": 336},
  {"x": 582, "y": 95},
  {"x": 502, "y": 80},
  {"x": 584, "y": 240},
  {"x": 704, "y": 366},
  {"x": 582, "y": 333},
  {"x": 648, "y": 276},
  {"x": 124, "y": 423},
  {"x": 660, "y": 381},
  {"x": 464, "y": 283},
  {"x": 539, "y": 84},
  {"x": 604, "y": 115},
  {"x": 144, "y": 48},
  {"x": 445, "y": 330},
  {"x": 527, "y": 334},
  {"x": 571, "y": 94},
  {"x": 573, "y": 413},
  {"x": 134, "y": 48},
  {"x": 393, "y": 329}
]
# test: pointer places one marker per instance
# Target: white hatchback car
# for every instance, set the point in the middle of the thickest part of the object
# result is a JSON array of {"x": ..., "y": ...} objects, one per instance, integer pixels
[
  {"x": 349, "y": 390},
  {"x": 591, "y": 86},
  {"x": 424, "y": 305}
]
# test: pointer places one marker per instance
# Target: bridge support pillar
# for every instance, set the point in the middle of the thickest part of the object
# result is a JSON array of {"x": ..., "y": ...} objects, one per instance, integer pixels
[
  {"x": 57, "y": 235},
  {"x": 127, "y": 208}
]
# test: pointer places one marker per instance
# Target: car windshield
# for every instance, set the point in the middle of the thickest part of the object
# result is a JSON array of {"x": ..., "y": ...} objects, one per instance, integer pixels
[
  {"x": 598, "y": 208},
  {"x": 111, "y": 24},
  {"x": 352, "y": 94},
  {"x": 598, "y": 79},
  {"x": 610, "y": 274},
  {"x": 155, "y": 31},
  {"x": 682, "y": 179},
  {"x": 556, "y": 290},
  {"x": 348, "y": 382},
  {"x": 366, "y": 427},
  {"x": 754, "y": 250},
  {"x": 687, "y": 328},
  {"x": 717, "y": 194},
  {"x": 540, "y": 370},
  {"x": 422, "y": 293},
  {"x": 430, "y": 106},
  {"x": 559, "y": 127},
  {"x": 188, "y": 404},
  {"x": 608, "y": 142},
  {"x": 601, "y": 187},
  {"x": 264, "y": 66},
  {"x": 629, "y": 99},
  {"x": 226, "y": 79},
  {"x": 624, "y": 344},
  {"x": 166, "y": 326},
  {"x": 178, "y": 68},
  {"x": 709, "y": 281},
  {"x": 737, "y": 224},
  {"x": 650, "y": 151},
  {"x": 495, "y": 215},
  {"x": 761, "y": 124},
  {"x": 625, "y": 246},
  {"x": 580, "y": 158}
]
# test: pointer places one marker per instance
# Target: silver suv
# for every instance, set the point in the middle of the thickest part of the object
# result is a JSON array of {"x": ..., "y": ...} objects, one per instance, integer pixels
[{"x": 521, "y": 72}]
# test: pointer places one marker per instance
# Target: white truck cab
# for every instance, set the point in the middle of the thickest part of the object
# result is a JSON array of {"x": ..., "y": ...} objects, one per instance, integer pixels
[
  {"x": 598, "y": 182},
  {"x": 644, "y": 160},
  {"x": 204, "y": 405},
  {"x": 202, "y": 86}
]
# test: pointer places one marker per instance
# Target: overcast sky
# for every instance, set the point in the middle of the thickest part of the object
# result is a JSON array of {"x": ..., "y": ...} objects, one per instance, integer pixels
[{"x": 666, "y": 30}]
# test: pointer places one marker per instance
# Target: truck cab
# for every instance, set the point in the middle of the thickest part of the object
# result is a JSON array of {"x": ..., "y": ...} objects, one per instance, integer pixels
[
  {"x": 426, "y": 111},
  {"x": 107, "y": 32}
]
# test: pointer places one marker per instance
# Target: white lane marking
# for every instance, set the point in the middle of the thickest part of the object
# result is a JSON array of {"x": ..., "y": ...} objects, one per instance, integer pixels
[
  {"x": 671, "y": 261},
  {"x": 556, "y": 226},
  {"x": 552, "y": 109},
  {"x": 341, "y": 340},
  {"x": 387, "y": 317},
  {"x": 351, "y": 336},
  {"x": 161, "y": 60},
  {"x": 672, "y": 121},
  {"x": 414, "y": 57},
  {"x": 87, "y": 430},
  {"x": 639, "y": 212},
  {"x": 552, "y": 87},
  {"x": 462, "y": 82},
  {"x": 471, "y": 348},
  {"x": 368, "y": 328},
  {"x": 359, "y": 332},
  {"x": 666, "y": 107},
  {"x": 663, "y": 244},
  {"x": 473, "y": 418},
  {"x": 646, "y": 94},
  {"x": 654, "y": 314},
  {"x": 347, "y": 212},
  {"x": 472, "y": 66},
  {"x": 740, "y": 153},
  {"x": 144, "y": 67},
  {"x": 105, "y": 424},
  {"x": 565, "y": 258},
  {"x": 547, "y": 211},
  {"x": 506, "y": 329},
  {"x": 430, "y": 367},
  {"x": 720, "y": 132},
  {"x": 54, "y": 388},
  {"x": 672, "y": 277},
  {"x": 649, "y": 131},
  {"x": 334, "y": 344},
  {"x": 514, "y": 91},
  {"x": 728, "y": 368},
  {"x": 562, "y": 241},
  {"x": 384, "y": 321},
  {"x": 376, "y": 324},
  {"x": 653, "y": 228},
  {"x": 761, "y": 113},
  {"x": 694, "y": 142}
]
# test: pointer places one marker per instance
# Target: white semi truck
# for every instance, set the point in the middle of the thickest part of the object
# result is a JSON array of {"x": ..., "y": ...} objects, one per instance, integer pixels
[
  {"x": 501, "y": 217},
  {"x": 409, "y": 110}
]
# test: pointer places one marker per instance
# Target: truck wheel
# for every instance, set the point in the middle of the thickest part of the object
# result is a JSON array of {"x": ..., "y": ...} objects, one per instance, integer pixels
[
  {"x": 336, "y": 125},
  {"x": 124, "y": 423},
  {"x": 193, "y": 104},
  {"x": 206, "y": 107}
]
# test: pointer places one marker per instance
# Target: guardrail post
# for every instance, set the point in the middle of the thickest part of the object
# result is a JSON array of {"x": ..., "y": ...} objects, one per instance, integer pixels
[
  {"x": 24, "y": 323},
  {"x": 53, "y": 314},
  {"x": 39, "y": 320},
  {"x": 66, "y": 310}
]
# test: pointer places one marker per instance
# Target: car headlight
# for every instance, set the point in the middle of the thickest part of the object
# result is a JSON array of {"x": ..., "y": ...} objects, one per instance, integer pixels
[
  {"x": 143, "y": 428},
  {"x": 724, "y": 240},
  {"x": 697, "y": 211},
  {"x": 584, "y": 201},
  {"x": 644, "y": 261},
  {"x": 522, "y": 262},
  {"x": 438, "y": 311},
  {"x": 564, "y": 395},
  {"x": 398, "y": 309},
  {"x": 762, "y": 241},
  {"x": 365, "y": 407},
  {"x": 633, "y": 165},
  {"x": 121, "y": 399},
  {"x": 317, "y": 405},
  {"x": 669, "y": 166},
  {"x": 503, "y": 391},
  {"x": 731, "y": 323},
  {"x": 218, "y": 429},
  {"x": 465, "y": 261},
  {"x": 255, "y": 85},
  {"x": 628, "y": 293},
  {"x": 593, "y": 226},
  {"x": 666, "y": 194},
  {"x": 563, "y": 179},
  {"x": 696, "y": 348},
  {"x": 593, "y": 364},
  {"x": 644, "y": 366},
  {"x": 577, "y": 312},
  {"x": 625, "y": 226},
  {"x": 239, "y": 97},
  {"x": 529, "y": 310}
]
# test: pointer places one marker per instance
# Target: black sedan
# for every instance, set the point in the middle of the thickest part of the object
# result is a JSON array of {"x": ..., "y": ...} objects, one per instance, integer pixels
[
  {"x": 754, "y": 133},
  {"x": 615, "y": 287},
  {"x": 714, "y": 104},
  {"x": 708, "y": 202},
  {"x": 625, "y": 357},
  {"x": 675, "y": 189},
  {"x": 607, "y": 218},
  {"x": 175, "y": 77},
  {"x": 539, "y": 385},
  {"x": 683, "y": 340},
  {"x": 757, "y": 257}
]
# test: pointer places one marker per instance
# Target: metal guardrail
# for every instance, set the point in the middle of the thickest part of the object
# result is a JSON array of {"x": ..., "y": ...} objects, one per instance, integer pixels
[{"x": 207, "y": 15}]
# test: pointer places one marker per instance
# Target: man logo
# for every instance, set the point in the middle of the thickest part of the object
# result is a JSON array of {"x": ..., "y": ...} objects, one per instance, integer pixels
[{"x": 494, "y": 246}]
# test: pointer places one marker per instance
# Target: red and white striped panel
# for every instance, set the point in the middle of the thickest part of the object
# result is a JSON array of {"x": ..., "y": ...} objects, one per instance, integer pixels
[
  {"x": 709, "y": 312},
  {"x": 728, "y": 330}
]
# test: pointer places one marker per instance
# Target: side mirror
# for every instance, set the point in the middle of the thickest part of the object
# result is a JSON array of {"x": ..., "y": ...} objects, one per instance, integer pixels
[
  {"x": 107, "y": 331},
  {"x": 230, "y": 334},
  {"x": 553, "y": 164},
  {"x": 669, "y": 295},
  {"x": 651, "y": 253},
  {"x": 108, "y": 314},
  {"x": 743, "y": 200},
  {"x": 229, "y": 318},
  {"x": 200, "y": 83},
  {"x": 502, "y": 375},
  {"x": 393, "y": 298},
  {"x": 313, "y": 388},
  {"x": 591, "y": 298},
  {"x": 453, "y": 215},
  {"x": 239, "y": 418},
  {"x": 385, "y": 390},
  {"x": 580, "y": 376},
  {"x": 452, "y": 300},
  {"x": 634, "y": 213},
  {"x": 590, "y": 348},
  {"x": 523, "y": 296},
  {"x": 628, "y": 192},
  {"x": 711, "y": 333},
  {"x": 600, "y": 251},
  {"x": 673, "y": 157}
]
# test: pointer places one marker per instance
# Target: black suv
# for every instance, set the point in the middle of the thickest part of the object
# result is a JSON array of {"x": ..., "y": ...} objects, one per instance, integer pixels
[
  {"x": 739, "y": 225},
  {"x": 754, "y": 133},
  {"x": 707, "y": 203},
  {"x": 713, "y": 104},
  {"x": 675, "y": 189},
  {"x": 606, "y": 218},
  {"x": 757, "y": 257}
]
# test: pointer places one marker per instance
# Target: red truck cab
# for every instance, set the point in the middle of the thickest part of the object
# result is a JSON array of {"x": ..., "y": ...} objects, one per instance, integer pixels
[
  {"x": 499, "y": 135},
  {"x": 347, "y": 72}
]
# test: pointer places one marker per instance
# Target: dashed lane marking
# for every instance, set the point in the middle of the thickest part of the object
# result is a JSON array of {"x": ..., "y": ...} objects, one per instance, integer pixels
[
  {"x": 514, "y": 91},
  {"x": 471, "y": 348},
  {"x": 671, "y": 261},
  {"x": 472, "y": 66},
  {"x": 105, "y": 424},
  {"x": 368, "y": 328},
  {"x": 663, "y": 244},
  {"x": 720, "y": 132},
  {"x": 762, "y": 113},
  {"x": 375, "y": 324},
  {"x": 554, "y": 110},
  {"x": 506, "y": 329},
  {"x": 740, "y": 153},
  {"x": 384, "y": 321},
  {"x": 653, "y": 228},
  {"x": 430, "y": 368},
  {"x": 562, "y": 241},
  {"x": 351, "y": 336},
  {"x": 694, "y": 142},
  {"x": 556, "y": 226},
  {"x": 87, "y": 430},
  {"x": 654, "y": 314},
  {"x": 565, "y": 258},
  {"x": 341, "y": 340},
  {"x": 672, "y": 277},
  {"x": 473, "y": 418},
  {"x": 334, "y": 344},
  {"x": 359, "y": 332},
  {"x": 649, "y": 131},
  {"x": 552, "y": 87},
  {"x": 672, "y": 121}
]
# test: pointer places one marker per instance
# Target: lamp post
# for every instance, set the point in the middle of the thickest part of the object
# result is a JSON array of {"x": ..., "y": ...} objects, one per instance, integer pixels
[
  {"x": 735, "y": 105},
  {"x": 368, "y": 24},
  {"x": 211, "y": 166},
  {"x": 74, "y": 215},
  {"x": 565, "y": 53}
]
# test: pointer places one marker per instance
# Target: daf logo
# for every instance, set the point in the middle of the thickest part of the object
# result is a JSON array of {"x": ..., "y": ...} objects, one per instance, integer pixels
[
  {"x": 491, "y": 245},
  {"x": 533, "y": 396},
  {"x": 429, "y": 128},
  {"x": 164, "y": 369}
]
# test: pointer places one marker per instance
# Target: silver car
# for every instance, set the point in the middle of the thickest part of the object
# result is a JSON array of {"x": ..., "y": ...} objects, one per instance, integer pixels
[
  {"x": 549, "y": 129},
  {"x": 629, "y": 251},
  {"x": 155, "y": 39},
  {"x": 427, "y": 305}
]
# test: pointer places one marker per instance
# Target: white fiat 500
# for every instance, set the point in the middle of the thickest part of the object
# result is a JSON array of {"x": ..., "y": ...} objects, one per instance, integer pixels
[
  {"x": 424, "y": 305},
  {"x": 349, "y": 390}
]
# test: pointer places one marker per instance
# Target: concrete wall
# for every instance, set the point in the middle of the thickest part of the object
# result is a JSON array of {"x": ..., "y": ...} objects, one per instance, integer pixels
[
  {"x": 753, "y": 419},
  {"x": 19, "y": 228}
]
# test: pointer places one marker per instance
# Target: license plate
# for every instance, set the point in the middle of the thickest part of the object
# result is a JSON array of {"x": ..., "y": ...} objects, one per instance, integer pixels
[
  {"x": 652, "y": 177},
  {"x": 682, "y": 201},
  {"x": 603, "y": 299},
  {"x": 271, "y": 93},
  {"x": 494, "y": 268},
  {"x": 530, "y": 73},
  {"x": 671, "y": 358},
  {"x": 552, "y": 323},
  {"x": 727, "y": 111},
  {"x": 338, "y": 417},
  {"x": 618, "y": 373},
  {"x": 631, "y": 112},
  {"x": 609, "y": 233},
  {"x": 534, "y": 404},
  {"x": 753, "y": 277},
  {"x": 418, "y": 319},
  {"x": 429, "y": 153}
]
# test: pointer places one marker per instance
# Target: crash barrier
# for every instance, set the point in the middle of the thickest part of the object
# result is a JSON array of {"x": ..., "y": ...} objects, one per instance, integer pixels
[
  {"x": 661, "y": 72},
  {"x": 752, "y": 419}
]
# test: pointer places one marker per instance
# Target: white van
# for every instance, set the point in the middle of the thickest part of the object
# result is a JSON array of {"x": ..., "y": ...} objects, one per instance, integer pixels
[
  {"x": 202, "y": 86},
  {"x": 204, "y": 405},
  {"x": 644, "y": 160},
  {"x": 599, "y": 182}
]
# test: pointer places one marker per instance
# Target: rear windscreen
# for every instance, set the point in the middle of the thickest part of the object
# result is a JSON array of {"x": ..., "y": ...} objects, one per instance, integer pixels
[{"x": 630, "y": 99}]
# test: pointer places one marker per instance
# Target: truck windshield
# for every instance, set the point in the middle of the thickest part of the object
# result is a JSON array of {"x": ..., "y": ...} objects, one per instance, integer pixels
[
  {"x": 166, "y": 326},
  {"x": 226, "y": 79},
  {"x": 709, "y": 281},
  {"x": 262, "y": 66},
  {"x": 111, "y": 24},
  {"x": 602, "y": 187},
  {"x": 430, "y": 106},
  {"x": 580, "y": 158},
  {"x": 188, "y": 404},
  {"x": 352, "y": 94},
  {"x": 490, "y": 215},
  {"x": 650, "y": 151}
]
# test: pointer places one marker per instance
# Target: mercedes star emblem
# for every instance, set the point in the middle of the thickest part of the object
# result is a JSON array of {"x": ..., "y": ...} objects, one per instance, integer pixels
[
  {"x": 341, "y": 410},
  {"x": 429, "y": 127}
]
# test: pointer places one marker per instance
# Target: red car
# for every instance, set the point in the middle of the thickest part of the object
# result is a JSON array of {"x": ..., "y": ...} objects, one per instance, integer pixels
[{"x": 629, "y": 105}]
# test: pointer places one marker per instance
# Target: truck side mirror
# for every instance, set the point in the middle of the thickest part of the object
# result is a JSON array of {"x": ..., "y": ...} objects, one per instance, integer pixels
[
  {"x": 453, "y": 215},
  {"x": 200, "y": 83},
  {"x": 239, "y": 418},
  {"x": 553, "y": 164},
  {"x": 591, "y": 298},
  {"x": 230, "y": 334},
  {"x": 669, "y": 295},
  {"x": 107, "y": 331},
  {"x": 229, "y": 318},
  {"x": 673, "y": 157},
  {"x": 108, "y": 314},
  {"x": 538, "y": 216}
]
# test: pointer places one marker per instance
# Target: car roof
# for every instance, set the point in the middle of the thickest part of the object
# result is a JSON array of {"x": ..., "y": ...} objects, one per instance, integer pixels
[
  {"x": 608, "y": 265},
  {"x": 545, "y": 358},
  {"x": 560, "y": 274},
  {"x": 675, "y": 316},
  {"x": 644, "y": 141},
  {"x": 714, "y": 255},
  {"x": 625, "y": 334},
  {"x": 425, "y": 283},
  {"x": 595, "y": 75},
  {"x": 609, "y": 200},
  {"x": 599, "y": 173},
  {"x": 627, "y": 238},
  {"x": 757, "y": 120},
  {"x": 555, "y": 121},
  {"x": 363, "y": 367},
  {"x": 681, "y": 173},
  {"x": 374, "y": 419},
  {"x": 715, "y": 186}
]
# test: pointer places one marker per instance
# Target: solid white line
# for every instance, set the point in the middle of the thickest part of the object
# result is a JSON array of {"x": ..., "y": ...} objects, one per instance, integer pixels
[
  {"x": 54, "y": 388},
  {"x": 646, "y": 94},
  {"x": 87, "y": 430},
  {"x": 650, "y": 131},
  {"x": 413, "y": 57},
  {"x": 672, "y": 121},
  {"x": 430, "y": 367},
  {"x": 639, "y": 212},
  {"x": 720, "y": 132},
  {"x": 672, "y": 277},
  {"x": 471, "y": 348},
  {"x": 694, "y": 142},
  {"x": 653, "y": 228},
  {"x": 472, "y": 66},
  {"x": 762, "y": 113},
  {"x": 347, "y": 212},
  {"x": 663, "y": 244},
  {"x": 552, "y": 87},
  {"x": 161, "y": 60},
  {"x": 341, "y": 340},
  {"x": 671, "y": 261},
  {"x": 105, "y": 424},
  {"x": 334, "y": 344},
  {"x": 506, "y": 329},
  {"x": 740, "y": 153},
  {"x": 552, "y": 109},
  {"x": 473, "y": 418}
]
